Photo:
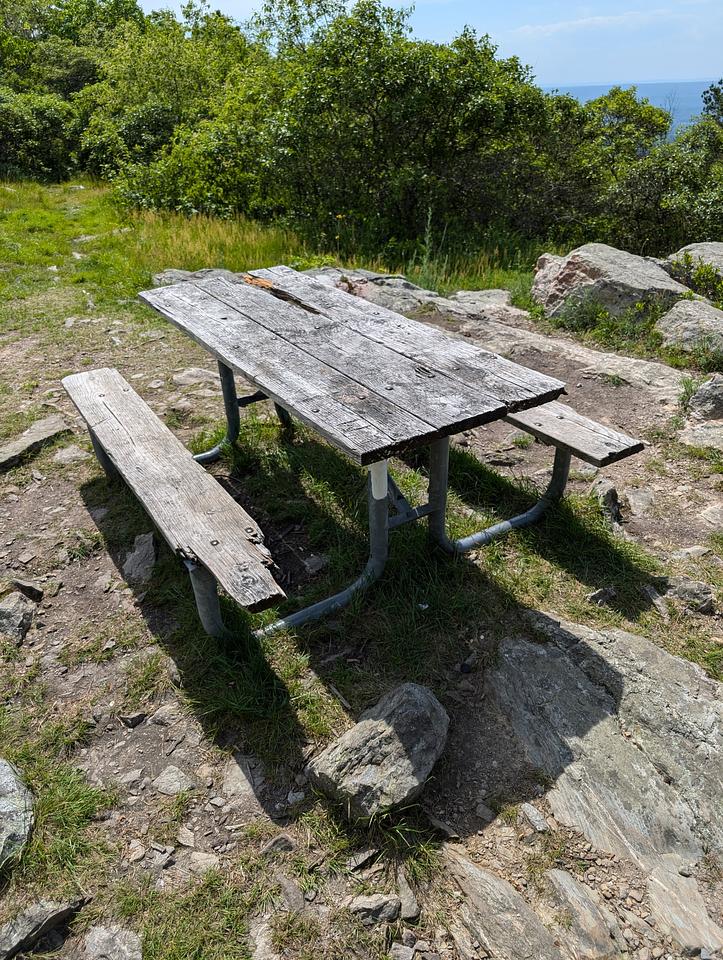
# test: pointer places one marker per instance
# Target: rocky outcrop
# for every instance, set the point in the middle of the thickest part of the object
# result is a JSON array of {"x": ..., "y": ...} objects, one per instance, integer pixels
[
  {"x": 16, "y": 814},
  {"x": 588, "y": 929},
  {"x": 495, "y": 915},
  {"x": 631, "y": 737},
  {"x": 692, "y": 325},
  {"x": 710, "y": 253},
  {"x": 39, "y": 433},
  {"x": 704, "y": 426},
  {"x": 386, "y": 758},
  {"x": 110, "y": 943},
  {"x": 613, "y": 278}
]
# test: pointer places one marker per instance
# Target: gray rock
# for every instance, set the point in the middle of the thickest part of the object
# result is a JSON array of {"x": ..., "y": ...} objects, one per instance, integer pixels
[
  {"x": 138, "y": 566},
  {"x": 183, "y": 276},
  {"x": 375, "y": 908},
  {"x": 16, "y": 616},
  {"x": 409, "y": 906},
  {"x": 692, "y": 325},
  {"x": 605, "y": 492},
  {"x": 696, "y": 594},
  {"x": 707, "y": 401},
  {"x": 194, "y": 375},
  {"x": 691, "y": 553},
  {"x": 651, "y": 795},
  {"x": 30, "y": 589},
  {"x": 172, "y": 781},
  {"x": 591, "y": 930},
  {"x": 709, "y": 252},
  {"x": 399, "y": 951},
  {"x": 496, "y": 916},
  {"x": 110, "y": 943},
  {"x": 385, "y": 759},
  {"x": 701, "y": 434},
  {"x": 535, "y": 818},
  {"x": 202, "y": 861},
  {"x": 640, "y": 500},
  {"x": 677, "y": 905},
  {"x": 33, "y": 924},
  {"x": 713, "y": 515},
  {"x": 281, "y": 843},
  {"x": 602, "y": 597},
  {"x": 38, "y": 434},
  {"x": 262, "y": 940},
  {"x": 70, "y": 454},
  {"x": 243, "y": 787},
  {"x": 16, "y": 814},
  {"x": 613, "y": 278}
]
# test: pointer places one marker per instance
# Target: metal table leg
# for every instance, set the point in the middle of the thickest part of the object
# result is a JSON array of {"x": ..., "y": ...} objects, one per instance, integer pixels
[
  {"x": 438, "y": 485},
  {"x": 378, "y": 553},
  {"x": 231, "y": 406}
]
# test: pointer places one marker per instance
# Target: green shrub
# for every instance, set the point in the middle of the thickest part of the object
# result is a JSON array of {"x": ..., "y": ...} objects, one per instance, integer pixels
[{"x": 37, "y": 135}]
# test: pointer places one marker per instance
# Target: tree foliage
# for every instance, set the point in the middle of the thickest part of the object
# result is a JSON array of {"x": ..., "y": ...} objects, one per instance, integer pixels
[{"x": 336, "y": 119}]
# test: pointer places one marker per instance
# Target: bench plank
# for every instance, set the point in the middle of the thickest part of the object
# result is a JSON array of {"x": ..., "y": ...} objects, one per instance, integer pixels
[
  {"x": 446, "y": 353},
  {"x": 197, "y": 518},
  {"x": 561, "y": 426}
]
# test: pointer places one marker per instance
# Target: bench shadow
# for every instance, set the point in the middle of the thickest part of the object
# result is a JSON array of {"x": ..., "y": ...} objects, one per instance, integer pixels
[{"x": 425, "y": 621}]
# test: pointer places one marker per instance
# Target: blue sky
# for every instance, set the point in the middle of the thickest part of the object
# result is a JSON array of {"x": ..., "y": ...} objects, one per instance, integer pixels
[{"x": 569, "y": 43}]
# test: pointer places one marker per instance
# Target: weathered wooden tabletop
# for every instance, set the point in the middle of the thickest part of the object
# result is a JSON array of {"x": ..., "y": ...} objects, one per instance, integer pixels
[{"x": 370, "y": 381}]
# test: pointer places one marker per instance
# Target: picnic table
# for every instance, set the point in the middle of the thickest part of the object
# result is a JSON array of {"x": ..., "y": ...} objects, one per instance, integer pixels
[{"x": 369, "y": 381}]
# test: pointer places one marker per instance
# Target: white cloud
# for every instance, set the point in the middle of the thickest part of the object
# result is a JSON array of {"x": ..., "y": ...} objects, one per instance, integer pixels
[{"x": 632, "y": 18}]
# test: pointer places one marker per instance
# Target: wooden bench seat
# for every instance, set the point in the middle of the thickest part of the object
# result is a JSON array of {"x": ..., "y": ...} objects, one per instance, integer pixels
[
  {"x": 200, "y": 522},
  {"x": 560, "y": 426}
]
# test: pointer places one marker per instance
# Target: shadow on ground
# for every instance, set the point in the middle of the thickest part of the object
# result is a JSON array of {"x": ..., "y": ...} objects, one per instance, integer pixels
[{"x": 426, "y": 615}]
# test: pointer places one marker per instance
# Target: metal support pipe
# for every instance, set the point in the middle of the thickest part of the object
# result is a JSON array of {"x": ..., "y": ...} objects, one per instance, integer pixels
[
  {"x": 438, "y": 478},
  {"x": 233, "y": 422},
  {"x": 205, "y": 590},
  {"x": 104, "y": 460},
  {"x": 378, "y": 553}
]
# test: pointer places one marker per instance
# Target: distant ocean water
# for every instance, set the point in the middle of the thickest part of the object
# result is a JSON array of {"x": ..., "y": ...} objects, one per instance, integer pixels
[{"x": 683, "y": 99}]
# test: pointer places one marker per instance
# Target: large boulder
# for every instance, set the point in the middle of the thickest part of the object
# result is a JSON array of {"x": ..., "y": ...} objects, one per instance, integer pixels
[
  {"x": 710, "y": 253},
  {"x": 692, "y": 325},
  {"x": 707, "y": 401},
  {"x": 385, "y": 759},
  {"x": 34, "y": 923},
  {"x": 16, "y": 813},
  {"x": 613, "y": 278}
]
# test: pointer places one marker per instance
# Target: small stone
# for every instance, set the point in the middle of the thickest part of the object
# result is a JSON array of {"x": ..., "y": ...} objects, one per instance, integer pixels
[
  {"x": 358, "y": 861},
  {"x": 399, "y": 952},
  {"x": 281, "y": 843},
  {"x": 131, "y": 777},
  {"x": 172, "y": 781},
  {"x": 602, "y": 597},
  {"x": 70, "y": 454},
  {"x": 16, "y": 616},
  {"x": 194, "y": 375},
  {"x": 409, "y": 909},
  {"x": 110, "y": 943},
  {"x": 606, "y": 494},
  {"x": 485, "y": 813},
  {"x": 203, "y": 862},
  {"x": 186, "y": 837},
  {"x": 536, "y": 819},
  {"x": 29, "y": 588},
  {"x": 139, "y": 563},
  {"x": 136, "y": 851},
  {"x": 375, "y": 908},
  {"x": 132, "y": 720}
]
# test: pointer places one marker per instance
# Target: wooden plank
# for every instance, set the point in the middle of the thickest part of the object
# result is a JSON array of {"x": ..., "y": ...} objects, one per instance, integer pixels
[
  {"x": 196, "y": 517},
  {"x": 363, "y": 419},
  {"x": 445, "y": 352},
  {"x": 561, "y": 426},
  {"x": 368, "y": 428},
  {"x": 408, "y": 383}
]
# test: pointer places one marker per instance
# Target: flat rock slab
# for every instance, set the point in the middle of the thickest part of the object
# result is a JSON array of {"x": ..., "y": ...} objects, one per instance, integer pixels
[
  {"x": 679, "y": 900},
  {"x": 16, "y": 616},
  {"x": 652, "y": 795},
  {"x": 39, "y": 433},
  {"x": 16, "y": 813},
  {"x": 658, "y": 379},
  {"x": 386, "y": 758},
  {"x": 110, "y": 943},
  {"x": 496, "y": 916},
  {"x": 591, "y": 931},
  {"x": 33, "y": 924},
  {"x": 703, "y": 434},
  {"x": 692, "y": 325},
  {"x": 613, "y": 278}
]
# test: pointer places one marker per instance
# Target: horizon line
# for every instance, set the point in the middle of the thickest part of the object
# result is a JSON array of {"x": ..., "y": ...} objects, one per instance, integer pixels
[{"x": 626, "y": 83}]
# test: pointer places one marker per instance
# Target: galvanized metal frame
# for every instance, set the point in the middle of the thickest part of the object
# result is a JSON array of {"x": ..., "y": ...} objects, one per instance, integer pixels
[{"x": 383, "y": 495}]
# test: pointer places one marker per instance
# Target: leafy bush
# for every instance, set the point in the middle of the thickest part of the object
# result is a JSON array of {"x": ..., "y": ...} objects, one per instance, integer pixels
[
  {"x": 36, "y": 135},
  {"x": 701, "y": 277}
]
